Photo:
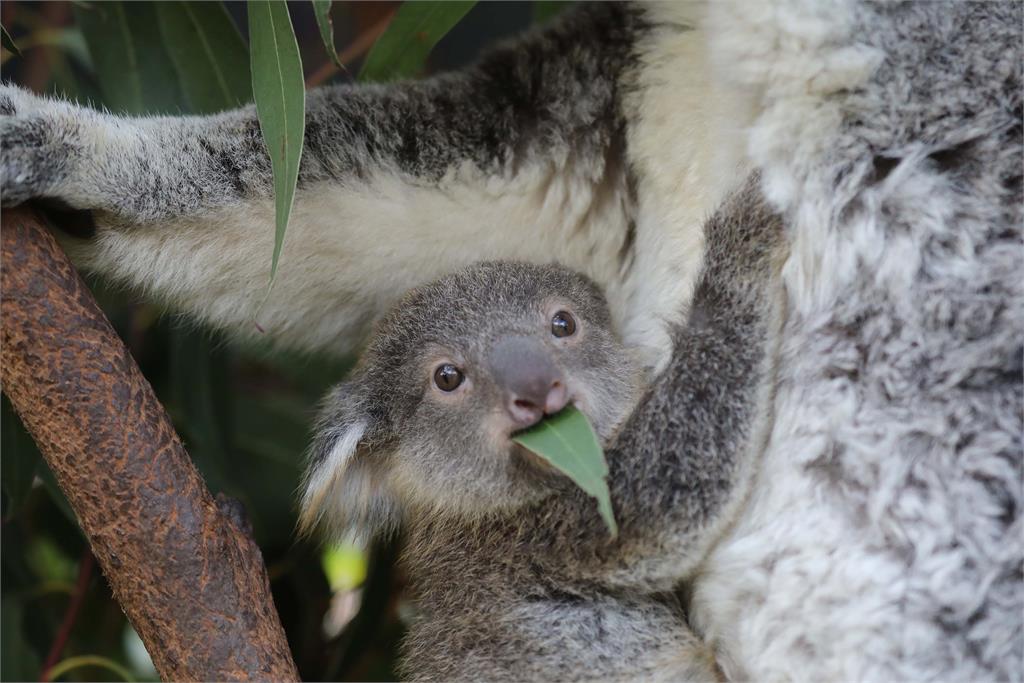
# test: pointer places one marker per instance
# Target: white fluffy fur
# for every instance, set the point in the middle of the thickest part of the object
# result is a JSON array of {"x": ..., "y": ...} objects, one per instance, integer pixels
[
  {"x": 868, "y": 529},
  {"x": 322, "y": 481},
  {"x": 337, "y": 269},
  {"x": 687, "y": 149}
]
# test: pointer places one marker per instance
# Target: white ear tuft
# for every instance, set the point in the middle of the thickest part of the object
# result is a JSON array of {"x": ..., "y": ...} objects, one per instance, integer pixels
[{"x": 326, "y": 472}]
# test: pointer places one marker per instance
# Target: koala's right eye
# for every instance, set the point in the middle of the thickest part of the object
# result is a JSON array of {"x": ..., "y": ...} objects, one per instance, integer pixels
[{"x": 447, "y": 377}]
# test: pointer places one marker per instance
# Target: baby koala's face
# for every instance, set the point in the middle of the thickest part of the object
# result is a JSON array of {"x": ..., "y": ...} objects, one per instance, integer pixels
[{"x": 425, "y": 422}]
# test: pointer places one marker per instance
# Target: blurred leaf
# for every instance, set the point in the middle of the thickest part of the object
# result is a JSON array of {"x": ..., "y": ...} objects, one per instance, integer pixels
[
  {"x": 545, "y": 10},
  {"x": 48, "y": 562},
  {"x": 374, "y": 625},
  {"x": 63, "y": 79},
  {"x": 202, "y": 401},
  {"x": 134, "y": 71},
  {"x": 567, "y": 441},
  {"x": 19, "y": 460},
  {"x": 280, "y": 103},
  {"x": 272, "y": 434},
  {"x": 344, "y": 565},
  {"x": 72, "y": 663},
  {"x": 69, "y": 40},
  {"x": 18, "y": 661},
  {"x": 417, "y": 27},
  {"x": 8, "y": 44},
  {"x": 208, "y": 53},
  {"x": 322, "y": 9},
  {"x": 277, "y": 427}
]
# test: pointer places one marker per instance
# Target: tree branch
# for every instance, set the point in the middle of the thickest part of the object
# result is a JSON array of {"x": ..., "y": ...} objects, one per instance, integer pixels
[{"x": 190, "y": 580}]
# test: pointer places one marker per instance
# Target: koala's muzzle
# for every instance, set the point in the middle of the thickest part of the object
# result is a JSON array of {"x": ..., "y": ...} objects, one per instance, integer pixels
[{"x": 532, "y": 384}]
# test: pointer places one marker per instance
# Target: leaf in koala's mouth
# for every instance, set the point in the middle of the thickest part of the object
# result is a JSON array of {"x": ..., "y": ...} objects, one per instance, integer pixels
[{"x": 567, "y": 441}]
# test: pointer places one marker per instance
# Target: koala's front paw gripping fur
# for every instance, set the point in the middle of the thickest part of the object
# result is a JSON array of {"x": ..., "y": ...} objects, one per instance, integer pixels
[{"x": 37, "y": 146}]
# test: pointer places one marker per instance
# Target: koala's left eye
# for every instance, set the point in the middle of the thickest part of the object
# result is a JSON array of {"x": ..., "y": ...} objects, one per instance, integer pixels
[
  {"x": 563, "y": 324},
  {"x": 447, "y": 377}
]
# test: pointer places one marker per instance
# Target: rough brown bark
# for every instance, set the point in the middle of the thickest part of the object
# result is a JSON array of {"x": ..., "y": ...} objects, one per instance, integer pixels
[{"x": 190, "y": 580}]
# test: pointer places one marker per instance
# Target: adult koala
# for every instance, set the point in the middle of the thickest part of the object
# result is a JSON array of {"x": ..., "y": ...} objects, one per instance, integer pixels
[{"x": 883, "y": 536}]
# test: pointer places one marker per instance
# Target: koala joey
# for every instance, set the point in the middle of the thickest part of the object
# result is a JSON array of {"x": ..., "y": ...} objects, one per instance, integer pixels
[
  {"x": 458, "y": 366},
  {"x": 514, "y": 572}
]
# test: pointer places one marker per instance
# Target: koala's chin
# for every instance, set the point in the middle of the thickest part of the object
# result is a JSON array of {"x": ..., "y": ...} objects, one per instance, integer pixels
[{"x": 477, "y": 484}]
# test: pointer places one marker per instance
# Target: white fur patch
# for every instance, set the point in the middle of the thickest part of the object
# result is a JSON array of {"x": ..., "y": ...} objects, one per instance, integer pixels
[
  {"x": 871, "y": 548},
  {"x": 687, "y": 147},
  {"x": 322, "y": 481}
]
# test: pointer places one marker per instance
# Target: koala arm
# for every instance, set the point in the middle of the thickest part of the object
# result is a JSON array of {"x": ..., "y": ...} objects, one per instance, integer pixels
[
  {"x": 684, "y": 461},
  {"x": 398, "y": 184}
]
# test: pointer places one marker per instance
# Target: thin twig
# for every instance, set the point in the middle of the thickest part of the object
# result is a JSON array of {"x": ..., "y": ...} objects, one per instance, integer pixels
[
  {"x": 357, "y": 48},
  {"x": 60, "y": 641}
]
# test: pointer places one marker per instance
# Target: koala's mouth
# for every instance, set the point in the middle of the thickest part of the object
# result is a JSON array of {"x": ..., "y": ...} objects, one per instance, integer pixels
[{"x": 533, "y": 461}]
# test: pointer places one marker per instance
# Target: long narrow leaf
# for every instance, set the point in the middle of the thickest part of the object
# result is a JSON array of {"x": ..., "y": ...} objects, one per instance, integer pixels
[
  {"x": 208, "y": 53},
  {"x": 134, "y": 71},
  {"x": 8, "y": 42},
  {"x": 412, "y": 34},
  {"x": 322, "y": 10},
  {"x": 568, "y": 442},
  {"x": 280, "y": 103}
]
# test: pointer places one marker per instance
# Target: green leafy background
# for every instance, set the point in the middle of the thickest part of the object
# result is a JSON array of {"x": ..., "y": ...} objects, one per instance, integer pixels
[{"x": 243, "y": 412}]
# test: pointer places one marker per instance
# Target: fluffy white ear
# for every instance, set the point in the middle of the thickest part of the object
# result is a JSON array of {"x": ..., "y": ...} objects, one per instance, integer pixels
[
  {"x": 346, "y": 485},
  {"x": 332, "y": 454}
]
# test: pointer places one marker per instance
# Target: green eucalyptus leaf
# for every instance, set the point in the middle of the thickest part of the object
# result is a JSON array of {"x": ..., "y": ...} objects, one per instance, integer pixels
[
  {"x": 403, "y": 48},
  {"x": 322, "y": 10},
  {"x": 568, "y": 442},
  {"x": 201, "y": 401},
  {"x": 208, "y": 53},
  {"x": 134, "y": 71},
  {"x": 280, "y": 96},
  {"x": 8, "y": 42}
]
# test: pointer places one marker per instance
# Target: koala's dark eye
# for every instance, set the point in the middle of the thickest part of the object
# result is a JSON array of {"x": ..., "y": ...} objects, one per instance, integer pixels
[
  {"x": 563, "y": 324},
  {"x": 447, "y": 377}
]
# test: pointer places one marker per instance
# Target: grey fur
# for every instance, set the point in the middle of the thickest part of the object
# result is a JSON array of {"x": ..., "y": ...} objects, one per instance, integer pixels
[
  {"x": 551, "y": 92},
  {"x": 909, "y": 371},
  {"x": 543, "y": 593}
]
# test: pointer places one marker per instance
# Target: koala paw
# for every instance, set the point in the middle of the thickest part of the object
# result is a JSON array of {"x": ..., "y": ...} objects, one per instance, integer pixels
[{"x": 36, "y": 146}]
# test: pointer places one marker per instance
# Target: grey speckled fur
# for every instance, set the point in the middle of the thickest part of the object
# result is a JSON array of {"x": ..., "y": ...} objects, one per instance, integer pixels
[
  {"x": 552, "y": 92},
  {"x": 889, "y": 509},
  {"x": 543, "y": 594}
]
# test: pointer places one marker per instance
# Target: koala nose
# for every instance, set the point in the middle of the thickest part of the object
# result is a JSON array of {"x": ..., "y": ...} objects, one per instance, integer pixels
[
  {"x": 529, "y": 408},
  {"x": 532, "y": 384}
]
